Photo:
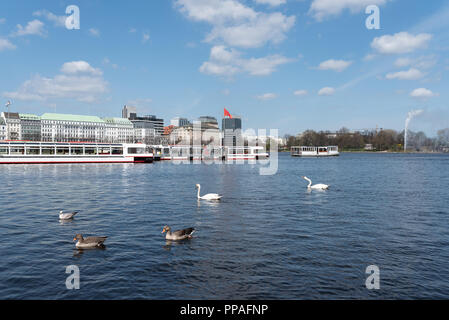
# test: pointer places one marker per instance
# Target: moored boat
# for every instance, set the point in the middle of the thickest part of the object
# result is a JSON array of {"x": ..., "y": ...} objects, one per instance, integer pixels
[
  {"x": 33, "y": 152},
  {"x": 307, "y": 151}
]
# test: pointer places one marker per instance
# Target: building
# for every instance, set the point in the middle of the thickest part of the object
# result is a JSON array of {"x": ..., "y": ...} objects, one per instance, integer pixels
[
  {"x": 179, "y": 122},
  {"x": 2, "y": 129},
  {"x": 30, "y": 127},
  {"x": 150, "y": 120},
  {"x": 128, "y": 112},
  {"x": 182, "y": 135},
  {"x": 68, "y": 127},
  {"x": 232, "y": 132},
  {"x": 119, "y": 130},
  {"x": 210, "y": 132},
  {"x": 12, "y": 121}
]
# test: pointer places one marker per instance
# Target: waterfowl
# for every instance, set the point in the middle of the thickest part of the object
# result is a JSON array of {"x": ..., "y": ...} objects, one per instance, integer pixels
[
  {"x": 67, "y": 215},
  {"x": 89, "y": 242},
  {"x": 209, "y": 196},
  {"x": 318, "y": 186},
  {"x": 179, "y": 234}
]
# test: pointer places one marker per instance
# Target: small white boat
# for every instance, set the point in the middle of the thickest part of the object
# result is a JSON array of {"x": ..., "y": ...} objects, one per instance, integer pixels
[{"x": 306, "y": 151}]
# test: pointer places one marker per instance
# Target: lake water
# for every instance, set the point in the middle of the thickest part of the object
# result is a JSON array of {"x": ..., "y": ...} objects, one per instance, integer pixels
[{"x": 267, "y": 239}]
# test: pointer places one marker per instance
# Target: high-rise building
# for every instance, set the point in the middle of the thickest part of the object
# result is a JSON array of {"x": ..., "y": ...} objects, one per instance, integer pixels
[
  {"x": 128, "y": 112},
  {"x": 232, "y": 132},
  {"x": 149, "y": 121},
  {"x": 179, "y": 122}
]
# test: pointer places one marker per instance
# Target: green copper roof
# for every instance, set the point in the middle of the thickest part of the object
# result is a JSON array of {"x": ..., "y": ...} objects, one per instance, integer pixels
[
  {"x": 25, "y": 116},
  {"x": 70, "y": 117},
  {"x": 118, "y": 121}
]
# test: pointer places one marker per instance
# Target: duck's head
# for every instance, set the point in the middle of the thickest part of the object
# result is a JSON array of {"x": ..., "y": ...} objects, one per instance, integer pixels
[
  {"x": 166, "y": 229},
  {"x": 78, "y": 236}
]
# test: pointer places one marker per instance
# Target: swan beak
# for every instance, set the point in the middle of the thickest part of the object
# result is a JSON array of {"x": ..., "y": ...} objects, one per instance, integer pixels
[{"x": 74, "y": 239}]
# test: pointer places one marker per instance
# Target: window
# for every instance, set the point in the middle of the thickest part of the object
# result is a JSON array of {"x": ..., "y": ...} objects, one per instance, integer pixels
[
  {"x": 62, "y": 150},
  {"x": 17, "y": 150},
  {"x": 90, "y": 150},
  {"x": 33, "y": 151},
  {"x": 77, "y": 150},
  {"x": 3, "y": 150},
  {"x": 48, "y": 150}
]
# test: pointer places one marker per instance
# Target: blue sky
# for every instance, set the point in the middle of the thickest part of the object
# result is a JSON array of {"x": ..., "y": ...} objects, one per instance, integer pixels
[{"x": 291, "y": 65}]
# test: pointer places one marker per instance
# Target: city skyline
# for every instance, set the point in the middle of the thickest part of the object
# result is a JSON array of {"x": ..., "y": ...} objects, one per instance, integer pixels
[{"x": 290, "y": 65}]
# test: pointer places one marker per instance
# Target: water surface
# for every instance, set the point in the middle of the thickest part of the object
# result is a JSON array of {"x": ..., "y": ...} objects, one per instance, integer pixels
[{"x": 267, "y": 239}]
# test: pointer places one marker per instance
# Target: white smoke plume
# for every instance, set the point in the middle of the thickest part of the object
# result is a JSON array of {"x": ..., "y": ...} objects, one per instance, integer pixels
[{"x": 410, "y": 116}]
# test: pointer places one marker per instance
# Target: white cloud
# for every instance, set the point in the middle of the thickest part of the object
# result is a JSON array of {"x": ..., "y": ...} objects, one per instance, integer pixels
[
  {"x": 58, "y": 21},
  {"x": 2, "y": 20},
  {"x": 236, "y": 24},
  {"x": 145, "y": 37},
  {"x": 326, "y": 91},
  {"x": 81, "y": 84},
  {"x": 300, "y": 92},
  {"x": 94, "y": 32},
  {"x": 227, "y": 62},
  {"x": 411, "y": 74},
  {"x": 422, "y": 93},
  {"x": 77, "y": 67},
  {"x": 321, "y": 9},
  {"x": 273, "y": 3},
  {"x": 35, "y": 27},
  {"x": 402, "y": 42},
  {"x": 267, "y": 96},
  {"x": 335, "y": 65},
  {"x": 5, "y": 44},
  {"x": 403, "y": 62}
]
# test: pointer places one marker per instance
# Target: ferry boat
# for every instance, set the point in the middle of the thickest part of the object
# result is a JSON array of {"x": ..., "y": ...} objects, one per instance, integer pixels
[
  {"x": 305, "y": 151},
  {"x": 31, "y": 152},
  {"x": 245, "y": 153}
]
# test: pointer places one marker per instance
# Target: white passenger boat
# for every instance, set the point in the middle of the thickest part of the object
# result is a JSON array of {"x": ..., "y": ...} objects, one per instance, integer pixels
[
  {"x": 305, "y": 151},
  {"x": 30, "y": 152},
  {"x": 245, "y": 153}
]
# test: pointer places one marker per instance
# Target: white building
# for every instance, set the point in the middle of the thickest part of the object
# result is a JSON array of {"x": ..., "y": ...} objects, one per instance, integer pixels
[
  {"x": 13, "y": 130},
  {"x": 2, "y": 129},
  {"x": 68, "y": 127},
  {"x": 119, "y": 130}
]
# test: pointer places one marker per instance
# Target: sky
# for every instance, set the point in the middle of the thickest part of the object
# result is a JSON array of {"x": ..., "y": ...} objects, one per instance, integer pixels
[{"x": 290, "y": 65}]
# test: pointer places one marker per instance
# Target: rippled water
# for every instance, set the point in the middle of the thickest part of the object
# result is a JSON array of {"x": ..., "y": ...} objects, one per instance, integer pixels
[{"x": 267, "y": 239}]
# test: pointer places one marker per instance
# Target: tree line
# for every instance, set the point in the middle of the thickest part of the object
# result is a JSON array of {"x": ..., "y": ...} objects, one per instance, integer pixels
[{"x": 376, "y": 140}]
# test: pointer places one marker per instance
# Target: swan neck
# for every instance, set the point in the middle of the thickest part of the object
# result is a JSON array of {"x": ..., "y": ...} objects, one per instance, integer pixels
[{"x": 199, "y": 187}]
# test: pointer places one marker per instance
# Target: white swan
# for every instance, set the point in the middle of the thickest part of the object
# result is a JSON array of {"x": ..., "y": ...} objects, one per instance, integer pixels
[
  {"x": 318, "y": 186},
  {"x": 209, "y": 196}
]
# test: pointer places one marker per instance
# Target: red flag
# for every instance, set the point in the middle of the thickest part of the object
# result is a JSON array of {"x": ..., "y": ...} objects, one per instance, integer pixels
[{"x": 226, "y": 113}]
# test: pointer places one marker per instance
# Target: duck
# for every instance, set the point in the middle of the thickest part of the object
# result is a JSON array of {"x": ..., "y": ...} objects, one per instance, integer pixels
[
  {"x": 67, "y": 215},
  {"x": 178, "y": 234},
  {"x": 319, "y": 186},
  {"x": 89, "y": 242},
  {"x": 209, "y": 196}
]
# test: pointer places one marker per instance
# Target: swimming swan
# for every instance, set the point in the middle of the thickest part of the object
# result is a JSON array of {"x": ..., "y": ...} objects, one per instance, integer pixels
[
  {"x": 209, "y": 196},
  {"x": 318, "y": 186}
]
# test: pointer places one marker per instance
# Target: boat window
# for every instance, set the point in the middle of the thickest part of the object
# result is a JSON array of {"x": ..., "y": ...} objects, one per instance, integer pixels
[
  {"x": 104, "y": 151},
  {"x": 62, "y": 150},
  {"x": 3, "y": 150},
  {"x": 77, "y": 150},
  {"x": 136, "y": 150},
  {"x": 90, "y": 150},
  {"x": 48, "y": 150},
  {"x": 117, "y": 150},
  {"x": 17, "y": 150},
  {"x": 33, "y": 151}
]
